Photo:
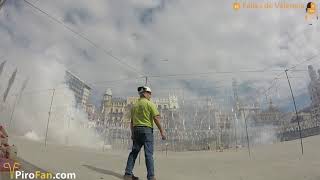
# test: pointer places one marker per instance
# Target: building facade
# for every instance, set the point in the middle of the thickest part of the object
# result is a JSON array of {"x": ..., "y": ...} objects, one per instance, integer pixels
[
  {"x": 91, "y": 111},
  {"x": 271, "y": 116},
  {"x": 115, "y": 111},
  {"x": 170, "y": 102},
  {"x": 80, "y": 89},
  {"x": 314, "y": 91}
]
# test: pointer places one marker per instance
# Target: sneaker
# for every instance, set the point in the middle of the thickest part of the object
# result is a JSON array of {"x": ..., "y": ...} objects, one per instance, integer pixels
[{"x": 130, "y": 177}]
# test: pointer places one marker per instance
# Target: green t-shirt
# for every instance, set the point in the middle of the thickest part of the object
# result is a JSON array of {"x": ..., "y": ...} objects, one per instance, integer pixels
[{"x": 143, "y": 113}]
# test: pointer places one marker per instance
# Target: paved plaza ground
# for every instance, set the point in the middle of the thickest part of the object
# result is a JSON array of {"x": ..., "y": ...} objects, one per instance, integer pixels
[{"x": 282, "y": 161}]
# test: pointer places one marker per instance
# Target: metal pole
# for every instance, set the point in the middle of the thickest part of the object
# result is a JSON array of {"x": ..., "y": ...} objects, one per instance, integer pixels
[
  {"x": 69, "y": 121},
  {"x": 105, "y": 138},
  {"x": 235, "y": 130},
  {"x": 146, "y": 82},
  {"x": 166, "y": 150},
  {"x": 17, "y": 100},
  {"x": 220, "y": 139},
  {"x": 248, "y": 142},
  {"x": 295, "y": 108},
  {"x": 174, "y": 132},
  {"x": 105, "y": 125},
  {"x": 45, "y": 140},
  {"x": 13, "y": 109}
]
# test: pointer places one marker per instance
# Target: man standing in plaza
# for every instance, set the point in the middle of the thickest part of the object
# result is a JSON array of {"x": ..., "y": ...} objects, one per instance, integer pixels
[{"x": 143, "y": 115}]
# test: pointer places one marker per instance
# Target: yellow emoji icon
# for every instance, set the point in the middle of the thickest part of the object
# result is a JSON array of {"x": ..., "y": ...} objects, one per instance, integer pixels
[
  {"x": 11, "y": 169},
  {"x": 311, "y": 11},
  {"x": 236, "y": 6},
  {"x": 311, "y": 8}
]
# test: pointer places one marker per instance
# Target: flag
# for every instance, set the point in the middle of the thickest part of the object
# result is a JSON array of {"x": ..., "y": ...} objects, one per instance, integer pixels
[
  {"x": 2, "y": 65},
  {"x": 24, "y": 85},
  {"x": 2, "y": 3},
  {"x": 11, "y": 80}
]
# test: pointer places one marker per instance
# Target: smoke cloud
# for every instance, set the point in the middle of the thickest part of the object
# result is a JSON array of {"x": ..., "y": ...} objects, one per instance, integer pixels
[{"x": 66, "y": 123}]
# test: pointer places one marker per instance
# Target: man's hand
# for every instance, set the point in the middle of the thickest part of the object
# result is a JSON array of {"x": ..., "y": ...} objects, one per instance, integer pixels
[
  {"x": 157, "y": 121},
  {"x": 163, "y": 136},
  {"x": 131, "y": 128}
]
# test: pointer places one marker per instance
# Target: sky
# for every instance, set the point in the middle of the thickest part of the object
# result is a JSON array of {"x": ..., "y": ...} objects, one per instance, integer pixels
[{"x": 116, "y": 43}]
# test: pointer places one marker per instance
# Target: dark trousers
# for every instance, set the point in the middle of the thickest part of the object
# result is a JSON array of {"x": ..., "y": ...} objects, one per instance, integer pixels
[{"x": 142, "y": 136}]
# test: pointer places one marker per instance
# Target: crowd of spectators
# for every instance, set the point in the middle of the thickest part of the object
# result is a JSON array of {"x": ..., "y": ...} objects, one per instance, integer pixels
[
  {"x": 4, "y": 146},
  {"x": 6, "y": 151}
]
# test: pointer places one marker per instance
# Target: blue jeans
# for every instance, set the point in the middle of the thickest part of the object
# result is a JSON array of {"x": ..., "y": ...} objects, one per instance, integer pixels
[{"x": 142, "y": 136}]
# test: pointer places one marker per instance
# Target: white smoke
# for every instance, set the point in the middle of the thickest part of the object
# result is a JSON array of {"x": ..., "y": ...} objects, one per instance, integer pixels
[
  {"x": 257, "y": 134},
  {"x": 32, "y": 136},
  {"x": 264, "y": 135},
  {"x": 66, "y": 123}
]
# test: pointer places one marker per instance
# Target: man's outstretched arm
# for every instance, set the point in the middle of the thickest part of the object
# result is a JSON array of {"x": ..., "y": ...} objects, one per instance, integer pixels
[
  {"x": 157, "y": 121},
  {"x": 131, "y": 123}
]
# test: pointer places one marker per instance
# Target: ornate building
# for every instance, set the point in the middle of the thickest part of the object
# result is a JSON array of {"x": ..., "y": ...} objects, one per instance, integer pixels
[
  {"x": 91, "y": 111},
  {"x": 114, "y": 110},
  {"x": 167, "y": 103},
  {"x": 271, "y": 116},
  {"x": 314, "y": 91}
]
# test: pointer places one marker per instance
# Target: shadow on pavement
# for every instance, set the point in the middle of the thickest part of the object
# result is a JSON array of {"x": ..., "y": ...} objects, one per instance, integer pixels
[{"x": 104, "y": 171}]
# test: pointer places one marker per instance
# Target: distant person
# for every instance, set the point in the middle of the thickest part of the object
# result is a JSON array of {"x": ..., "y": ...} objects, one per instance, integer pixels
[
  {"x": 4, "y": 132},
  {"x": 143, "y": 114},
  {"x": 4, "y": 146}
]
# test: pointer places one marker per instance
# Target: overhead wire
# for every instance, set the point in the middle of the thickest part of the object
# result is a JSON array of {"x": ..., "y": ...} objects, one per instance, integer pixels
[
  {"x": 121, "y": 61},
  {"x": 292, "y": 68},
  {"x": 83, "y": 37}
]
